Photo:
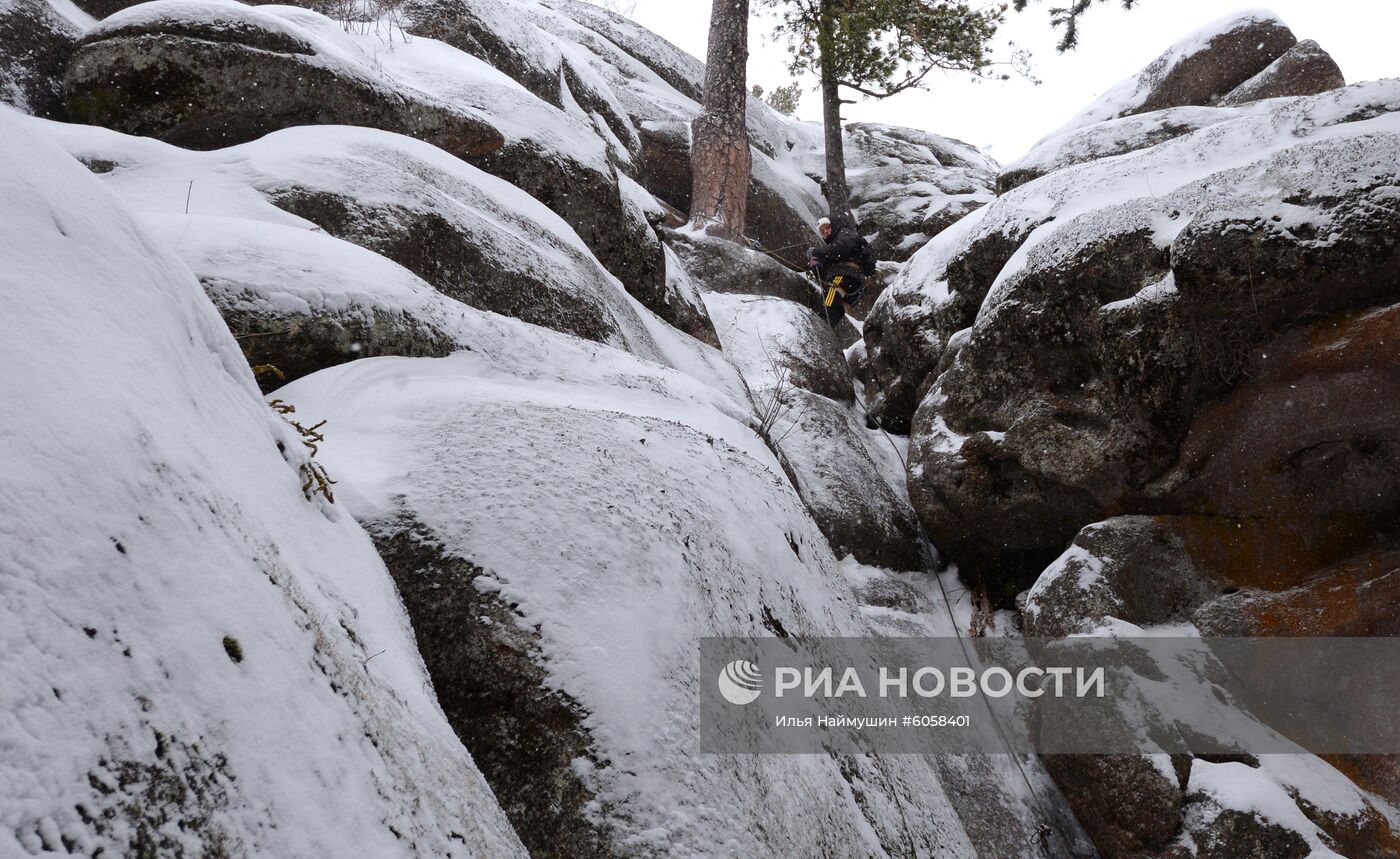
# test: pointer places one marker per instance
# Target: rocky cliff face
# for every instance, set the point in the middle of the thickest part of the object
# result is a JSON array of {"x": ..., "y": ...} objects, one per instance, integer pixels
[
  {"x": 438, "y": 241},
  {"x": 1149, "y": 385},
  {"x": 1150, "y": 380}
]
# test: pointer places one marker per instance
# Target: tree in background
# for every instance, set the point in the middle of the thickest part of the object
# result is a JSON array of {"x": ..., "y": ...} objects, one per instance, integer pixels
[
  {"x": 784, "y": 99},
  {"x": 878, "y": 48},
  {"x": 719, "y": 150}
]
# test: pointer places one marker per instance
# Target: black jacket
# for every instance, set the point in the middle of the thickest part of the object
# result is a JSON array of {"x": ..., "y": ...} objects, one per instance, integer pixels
[{"x": 840, "y": 254}]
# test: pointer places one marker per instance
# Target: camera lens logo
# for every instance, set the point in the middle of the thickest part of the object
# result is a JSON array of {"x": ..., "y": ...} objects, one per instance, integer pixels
[{"x": 740, "y": 682}]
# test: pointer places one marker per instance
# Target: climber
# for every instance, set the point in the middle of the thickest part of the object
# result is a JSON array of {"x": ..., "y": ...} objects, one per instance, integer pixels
[{"x": 842, "y": 265}]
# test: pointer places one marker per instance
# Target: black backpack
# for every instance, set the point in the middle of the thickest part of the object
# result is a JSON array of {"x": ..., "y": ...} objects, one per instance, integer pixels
[{"x": 865, "y": 256}]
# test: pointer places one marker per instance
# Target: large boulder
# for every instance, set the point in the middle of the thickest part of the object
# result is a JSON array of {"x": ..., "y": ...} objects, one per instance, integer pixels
[
  {"x": 717, "y": 265},
  {"x": 1062, "y": 405},
  {"x": 1306, "y": 69},
  {"x": 470, "y": 235},
  {"x": 1133, "y": 568},
  {"x": 1201, "y": 69},
  {"x": 828, "y": 455},
  {"x": 778, "y": 345},
  {"x": 1144, "y": 815},
  {"x": 782, "y": 209},
  {"x": 1184, "y": 90},
  {"x": 907, "y": 186},
  {"x": 200, "y": 657},
  {"x": 36, "y": 40},
  {"x": 222, "y": 73},
  {"x": 590, "y": 514},
  {"x": 298, "y": 300}
]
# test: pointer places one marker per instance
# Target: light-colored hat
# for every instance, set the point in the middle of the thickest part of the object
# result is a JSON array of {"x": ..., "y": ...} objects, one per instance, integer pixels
[{"x": 824, "y": 222}]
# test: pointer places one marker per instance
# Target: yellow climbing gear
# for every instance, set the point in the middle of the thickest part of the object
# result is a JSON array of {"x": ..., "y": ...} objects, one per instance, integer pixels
[{"x": 831, "y": 293}]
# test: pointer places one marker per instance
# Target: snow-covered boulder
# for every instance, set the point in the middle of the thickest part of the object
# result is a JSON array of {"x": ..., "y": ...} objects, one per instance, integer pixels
[
  {"x": 908, "y": 186},
  {"x": 36, "y": 39},
  {"x": 1180, "y": 92},
  {"x": 215, "y": 73},
  {"x": 1182, "y": 576},
  {"x": 782, "y": 210},
  {"x": 198, "y": 659},
  {"x": 1061, "y": 404},
  {"x": 850, "y": 478},
  {"x": 1306, "y": 69},
  {"x": 568, "y": 506},
  {"x": 472, "y": 236},
  {"x": 835, "y": 464},
  {"x": 718, "y": 265},
  {"x": 299, "y": 300},
  {"x": 1133, "y": 568},
  {"x": 1200, "y": 69},
  {"x": 778, "y": 344}
]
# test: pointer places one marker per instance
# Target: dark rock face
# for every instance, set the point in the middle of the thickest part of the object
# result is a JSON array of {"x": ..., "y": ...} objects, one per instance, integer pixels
[
  {"x": 1358, "y": 597},
  {"x": 524, "y": 736},
  {"x": 1236, "y": 835},
  {"x": 1228, "y": 60},
  {"x": 717, "y": 265},
  {"x": 448, "y": 257},
  {"x": 1306, "y": 440},
  {"x": 206, "y": 86},
  {"x": 35, "y": 43},
  {"x": 773, "y": 221},
  {"x": 1144, "y": 813},
  {"x": 1306, "y": 69},
  {"x": 840, "y": 484},
  {"x": 300, "y": 344},
  {"x": 1130, "y": 567},
  {"x": 906, "y": 335},
  {"x": 1069, "y": 399},
  {"x": 207, "y": 90}
]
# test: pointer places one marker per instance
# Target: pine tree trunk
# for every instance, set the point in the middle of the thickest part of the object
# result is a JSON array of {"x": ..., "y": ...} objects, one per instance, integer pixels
[
  {"x": 720, "y": 159},
  {"x": 838, "y": 195}
]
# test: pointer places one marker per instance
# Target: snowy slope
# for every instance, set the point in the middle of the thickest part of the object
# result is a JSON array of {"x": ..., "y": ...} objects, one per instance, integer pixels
[
  {"x": 623, "y": 512},
  {"x": 525, "y": 242},
  {"x": 194, "y": 656}
]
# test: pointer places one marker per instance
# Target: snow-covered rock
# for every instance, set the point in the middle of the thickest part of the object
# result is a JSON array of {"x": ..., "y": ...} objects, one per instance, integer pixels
[
  {"x": 1200, "y": 69},
  {"x": 1060, "y": 405},
  {"x": 197, "y": 659},
  {"x": 1177, "y": 93},
  {"x": 591, "y": 514},
  {"x": 908, "y": 186},
  {"x": 1306, "y": 69},
  {"x": 214, "y": 73},
  {"x": 1133, "y": 568},
  {"x": 779, "y": 344},
  {"x": 36, "y": 39},
  {"x": 717, "y": 265},
  {"x": 470, "y": 235}
]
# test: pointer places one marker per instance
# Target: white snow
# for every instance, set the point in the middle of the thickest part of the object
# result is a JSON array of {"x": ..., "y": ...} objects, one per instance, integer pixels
[
  {"x": 150, "y": 515},
  {"x": 625, "y": 511},
  {"x": 1129, "y": 95},
  {"x": 1325, "y": 142}
]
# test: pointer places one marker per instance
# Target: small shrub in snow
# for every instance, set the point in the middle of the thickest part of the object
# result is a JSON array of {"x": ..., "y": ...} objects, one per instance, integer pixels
[{"x": 315, "y": 480}]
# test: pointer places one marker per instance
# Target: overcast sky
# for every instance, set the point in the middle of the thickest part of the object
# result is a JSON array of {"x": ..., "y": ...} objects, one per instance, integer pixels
[{"x": 1006, "y": 118}]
